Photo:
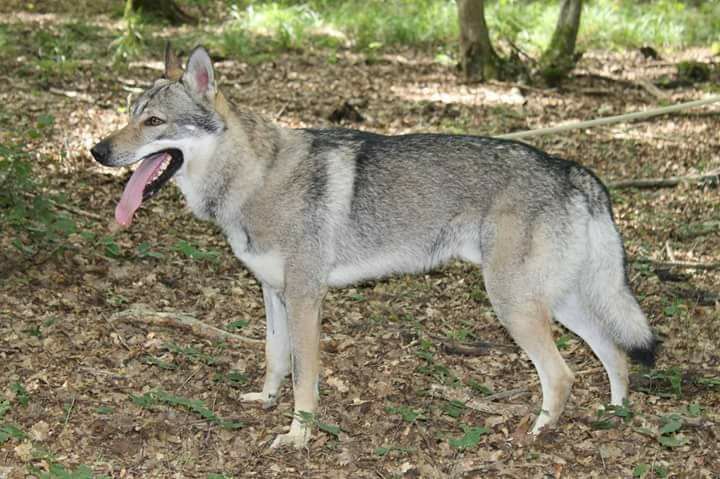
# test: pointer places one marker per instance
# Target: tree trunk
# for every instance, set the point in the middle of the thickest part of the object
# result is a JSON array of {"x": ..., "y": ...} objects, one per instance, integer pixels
[
  {"x": 559, "y": 59},
  {"x": 479, "y": 60},
  {"x": 164, "y": 9}
]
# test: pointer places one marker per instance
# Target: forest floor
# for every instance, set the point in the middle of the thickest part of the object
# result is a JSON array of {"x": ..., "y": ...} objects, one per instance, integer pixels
[{"x": 90, "y": 387}]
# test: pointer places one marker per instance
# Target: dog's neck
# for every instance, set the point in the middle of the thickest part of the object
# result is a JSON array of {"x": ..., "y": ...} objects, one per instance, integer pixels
[{"x": 233, "y": 165}]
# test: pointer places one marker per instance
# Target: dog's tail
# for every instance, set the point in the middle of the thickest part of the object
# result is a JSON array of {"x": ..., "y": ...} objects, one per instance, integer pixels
[{"x": 605, "y": 286}]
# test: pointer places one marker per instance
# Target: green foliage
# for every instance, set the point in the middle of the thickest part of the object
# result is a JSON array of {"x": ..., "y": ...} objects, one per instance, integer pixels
[
  {"x": 196, "y": 406},
  {"x": 131, "y": 42},
  {"x": 8, "y": 432},
  {"x": 262, "y": 26},
  {"x": 470, "y": 439},
  {"x": 310, "y": 420},
  {"x": 198, "y": 254},
  {"x": 606, "y": 414},
  {"x": 232, "y": 379},
  {"x": 191, "y": 354},
  {"x": 21, "y": 394},
  {"x": 32, "y": 216},
  {"x": 237, "y": 325},
  {"x": 664, "y": 382},
  {"x": 387, "y": 449},
  {"x": 407, "y": 413}
]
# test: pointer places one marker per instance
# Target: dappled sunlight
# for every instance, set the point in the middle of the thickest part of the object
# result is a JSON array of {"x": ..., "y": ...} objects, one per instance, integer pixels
[{"x": 480, "y": 95}]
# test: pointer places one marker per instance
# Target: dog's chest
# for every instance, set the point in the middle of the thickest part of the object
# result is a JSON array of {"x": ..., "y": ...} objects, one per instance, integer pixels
[{"x": 267, "y": 266}]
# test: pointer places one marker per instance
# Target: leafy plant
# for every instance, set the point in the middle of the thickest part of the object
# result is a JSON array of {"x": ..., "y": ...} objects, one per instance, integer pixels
[
  {"x": 130, "y": 43},
  {"x": 190, "y": 353},
  {"x": 8, "y": 432},
  {"x": 610, "y": 411},
  {"x": 196, "y": 406},
  {"x": 471, "y": 438},
  {"x": 21, "y": 394},
  {"x": 406, "y": 413},
  {"x": 196, "y": 253},
  {"x": 310, "y": 420},
  {"x": 30, "y": 214}
]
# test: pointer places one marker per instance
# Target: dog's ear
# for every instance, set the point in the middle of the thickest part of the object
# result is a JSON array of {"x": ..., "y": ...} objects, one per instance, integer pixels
[
  {"x": 199, "y": 75},
  {"x": 173, "y": 66}
]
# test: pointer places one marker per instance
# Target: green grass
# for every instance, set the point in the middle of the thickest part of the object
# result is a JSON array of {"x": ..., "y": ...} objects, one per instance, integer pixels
[{"x": 371, "y": 24}]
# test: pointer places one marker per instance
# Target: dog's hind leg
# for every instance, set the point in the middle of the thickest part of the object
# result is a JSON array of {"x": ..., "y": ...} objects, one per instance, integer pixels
[
  {"x": 277, "y": 349},
  {"x": 529, "y": 326},
  {"x": 517, "y": 260},
  {"x": 578, "y": 318}
]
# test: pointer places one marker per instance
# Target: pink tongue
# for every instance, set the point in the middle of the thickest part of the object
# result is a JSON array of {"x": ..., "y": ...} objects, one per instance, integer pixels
[{"x": 133, "y": 195}]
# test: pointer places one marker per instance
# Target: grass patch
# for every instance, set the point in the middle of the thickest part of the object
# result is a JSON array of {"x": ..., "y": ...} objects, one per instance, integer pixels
[{"x": 263, "y": 27}]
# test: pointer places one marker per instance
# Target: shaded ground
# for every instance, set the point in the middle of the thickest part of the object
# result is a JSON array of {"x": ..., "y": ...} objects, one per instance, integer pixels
[{"x": 83, "y": 388}]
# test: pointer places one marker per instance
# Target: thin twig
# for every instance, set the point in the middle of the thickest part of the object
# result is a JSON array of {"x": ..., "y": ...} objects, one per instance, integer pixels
[
  {"x": 483, "y": 405},
  {"x": 664, "y": 182},
  {"x": 120, "y": 338},
  {"x": 506, "y": 394},
  {"x": 69, "y": 413},
  {"x": 72, "y": 94},
  {"x": 71, "y": 209},
  {"x": 678, "y": 264},
  {"x": 478, "y": 348},
  {"x": 182, "y": 321}
]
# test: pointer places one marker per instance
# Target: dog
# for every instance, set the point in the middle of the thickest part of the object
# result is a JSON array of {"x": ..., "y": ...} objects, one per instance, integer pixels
[{"x": 310, "y": 209}]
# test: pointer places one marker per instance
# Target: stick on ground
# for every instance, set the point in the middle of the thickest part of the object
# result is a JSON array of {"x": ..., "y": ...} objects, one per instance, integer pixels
[
  {"x": 182, "y": 321},
  {"x": 671, "y": 182},
  {"x": 483, "y": 406}
]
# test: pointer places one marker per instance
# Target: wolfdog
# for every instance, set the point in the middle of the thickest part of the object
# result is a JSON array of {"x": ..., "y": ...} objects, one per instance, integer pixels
[{"x": 310, "y": 209}]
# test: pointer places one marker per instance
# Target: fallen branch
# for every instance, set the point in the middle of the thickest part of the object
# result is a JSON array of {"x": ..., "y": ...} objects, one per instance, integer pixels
[
  {"x": 182, "y": 321},
  {"x": 483, "y": 405},
  {"x": 71, "y": 209},
  {"x": 75, "y": 95},
  {"x": 478, "y": 348},
  {"x": 609, "y": 120},
  {"x": 664, "y": 182},
  {"x": 678, "y": 264}
]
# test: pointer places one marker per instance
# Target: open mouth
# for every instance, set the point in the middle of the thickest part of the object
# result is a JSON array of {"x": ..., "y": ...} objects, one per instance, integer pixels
[
  {"x": 154, "y": 171},
  {"x": 172, "y": 160}
]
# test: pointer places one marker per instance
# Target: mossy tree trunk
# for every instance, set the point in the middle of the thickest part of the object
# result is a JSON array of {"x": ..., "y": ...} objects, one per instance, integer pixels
[
  {"x": 478, "y": 58},
  {"x": 559, "y": 59},
  {"x": 164, "y": 9}
]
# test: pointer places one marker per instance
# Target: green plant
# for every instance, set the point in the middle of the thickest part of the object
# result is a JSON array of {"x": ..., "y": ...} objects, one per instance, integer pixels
[
  {"x": 35, "y": 223},
  {"x": 471, "y": 438},
  {"x": 407, "y": 413},
  {"x": 310, "y": 420},
  {"x": 196, "y": 406},
  {"x": 196, "y": 253},
  {"x": 606, "y": 414},
  {"x": 130, "y": 43}
]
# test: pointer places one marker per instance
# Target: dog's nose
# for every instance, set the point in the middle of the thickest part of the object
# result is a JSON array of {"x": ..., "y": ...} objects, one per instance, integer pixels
[{"x": 101, "y": 152}]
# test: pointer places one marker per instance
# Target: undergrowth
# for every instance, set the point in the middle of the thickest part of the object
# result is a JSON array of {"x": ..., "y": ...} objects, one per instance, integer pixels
[{"x": 609, "y": 24}]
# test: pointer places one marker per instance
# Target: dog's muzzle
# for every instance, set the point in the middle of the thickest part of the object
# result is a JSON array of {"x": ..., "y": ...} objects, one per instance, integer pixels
[{"x": 101, "y": 152}]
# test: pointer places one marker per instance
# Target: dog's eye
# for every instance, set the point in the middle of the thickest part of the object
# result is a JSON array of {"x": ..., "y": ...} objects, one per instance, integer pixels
[{"x": 153, "y": 121}]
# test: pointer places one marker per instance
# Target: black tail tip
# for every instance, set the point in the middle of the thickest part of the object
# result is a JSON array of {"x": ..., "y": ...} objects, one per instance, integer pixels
[{"x": 644, "y": 355}]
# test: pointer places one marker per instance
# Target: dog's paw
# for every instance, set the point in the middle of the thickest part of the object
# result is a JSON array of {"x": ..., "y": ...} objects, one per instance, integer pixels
[
  {"x": 266, "y": 400},
  {"x": 297, "y": 437}
]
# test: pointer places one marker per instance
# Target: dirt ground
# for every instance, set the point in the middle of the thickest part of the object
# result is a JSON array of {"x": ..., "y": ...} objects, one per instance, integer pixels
[{"x": 86, "y": 386}]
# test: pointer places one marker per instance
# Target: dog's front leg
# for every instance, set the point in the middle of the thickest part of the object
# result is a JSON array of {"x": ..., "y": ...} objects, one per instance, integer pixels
[
  {"x": 277, "y": 349},
  {"x": 303, "y": 307}
]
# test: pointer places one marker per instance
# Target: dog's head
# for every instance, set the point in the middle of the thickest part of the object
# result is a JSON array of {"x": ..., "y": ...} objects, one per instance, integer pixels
[{"x": 173, "y": 123}]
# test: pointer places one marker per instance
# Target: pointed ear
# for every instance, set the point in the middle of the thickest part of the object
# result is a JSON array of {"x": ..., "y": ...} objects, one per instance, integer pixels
[
  {"x": 173, "y": 67},
  {"x": 199, "y": 75}
]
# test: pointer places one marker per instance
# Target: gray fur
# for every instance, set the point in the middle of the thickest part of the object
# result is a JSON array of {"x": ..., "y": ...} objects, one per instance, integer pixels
[{"x": 310, "y": 209}]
